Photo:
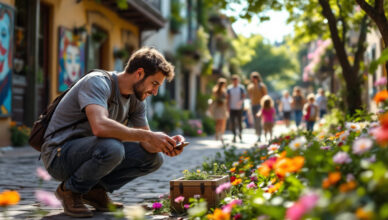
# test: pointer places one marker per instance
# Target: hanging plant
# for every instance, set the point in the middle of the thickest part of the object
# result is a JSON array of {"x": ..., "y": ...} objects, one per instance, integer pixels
[
  {"x": 122, "y": 54},
  {"x": 99, "y": 37}
]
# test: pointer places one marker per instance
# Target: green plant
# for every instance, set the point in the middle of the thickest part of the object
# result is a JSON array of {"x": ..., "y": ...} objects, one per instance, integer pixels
[
  {"x": 121, "y": 54},
  {"x": 170, "y": 119},
  {"x": 208, "y": 125},
  {"x": 19, "y": 134},
  {"x": 195, "y": 175},
  {"x": 176, "y": 20}
]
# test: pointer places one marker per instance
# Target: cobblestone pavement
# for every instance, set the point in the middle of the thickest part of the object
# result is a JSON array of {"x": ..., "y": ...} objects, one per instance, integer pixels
[{"x": 18, "y": 172}]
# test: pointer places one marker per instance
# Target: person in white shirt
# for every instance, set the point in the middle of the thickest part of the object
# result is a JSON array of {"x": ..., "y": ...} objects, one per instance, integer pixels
[
  {"x": 321, "y": 102},
  {"x": 235, "y": 99},
  {"x": 285, "y": 107}
]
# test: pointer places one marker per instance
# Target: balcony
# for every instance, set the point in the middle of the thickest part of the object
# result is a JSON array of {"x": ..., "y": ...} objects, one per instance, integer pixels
[{"x": 143, "y": 13}]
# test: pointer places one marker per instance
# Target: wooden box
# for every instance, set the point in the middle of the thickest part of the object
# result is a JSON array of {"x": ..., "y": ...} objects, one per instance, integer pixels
[{"x": 204, "y": 188}]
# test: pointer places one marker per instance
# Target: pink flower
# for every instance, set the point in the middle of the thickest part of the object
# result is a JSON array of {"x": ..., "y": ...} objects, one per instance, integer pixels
[
  {"x": 223, "y": 187},
  {"x": 381, "y": 134},
  {"x": 179, "y": 199},
  {"x": 157, "y": 205},
  {"x": 186, "y": 206},
  {"x": 47, "y": 198},
  {"x": 43, "y": 174},
  {"x": 199, "y": 131},
  {"x": 251, "y": 185},
  {"x": 362, "y": 145},
  {"x": 295, "y": 212},
  {"x": 341, "y": 158},
  {"x": 381, "y": 82},
  {"x": 325, "y": 147},
  {"x": 299, "y": 208},
  {"x": 228, "y": 208}
]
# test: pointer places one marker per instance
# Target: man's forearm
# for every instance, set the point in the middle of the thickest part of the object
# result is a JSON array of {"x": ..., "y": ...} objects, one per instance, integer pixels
[{"x": 113, "y": 129}]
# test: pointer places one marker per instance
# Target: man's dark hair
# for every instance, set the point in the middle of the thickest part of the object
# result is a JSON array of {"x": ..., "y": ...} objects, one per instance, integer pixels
[{"x": 152, "y": 61}]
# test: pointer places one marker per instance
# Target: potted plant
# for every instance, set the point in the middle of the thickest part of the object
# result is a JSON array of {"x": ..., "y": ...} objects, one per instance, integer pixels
[{"x": 197, "y": 183}]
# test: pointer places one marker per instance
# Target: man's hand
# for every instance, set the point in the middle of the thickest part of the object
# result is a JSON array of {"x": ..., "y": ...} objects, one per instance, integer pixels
[
  {"x": 159, "y": 142},
  {"x": 176, "y": 151}
]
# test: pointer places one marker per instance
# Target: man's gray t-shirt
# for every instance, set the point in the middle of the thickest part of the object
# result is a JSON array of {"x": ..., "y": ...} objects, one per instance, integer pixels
[{"x": 94, "y": 88}]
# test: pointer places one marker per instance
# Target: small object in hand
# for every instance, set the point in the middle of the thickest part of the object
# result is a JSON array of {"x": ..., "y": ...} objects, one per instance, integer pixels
[{"x": 181, "y": 145}]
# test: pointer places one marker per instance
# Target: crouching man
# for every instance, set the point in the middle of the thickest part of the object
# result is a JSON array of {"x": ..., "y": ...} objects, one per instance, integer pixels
[{"x": 109, "y": 142}]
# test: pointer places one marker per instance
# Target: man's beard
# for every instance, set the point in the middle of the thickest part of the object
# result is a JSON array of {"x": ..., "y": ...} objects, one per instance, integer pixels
[{"x": 138, "y": 92}]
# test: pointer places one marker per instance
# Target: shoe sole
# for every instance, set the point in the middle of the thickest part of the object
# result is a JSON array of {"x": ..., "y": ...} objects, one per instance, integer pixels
[
  {"x": 99, "y": 208},
  {"x": 72, "y": 214}
]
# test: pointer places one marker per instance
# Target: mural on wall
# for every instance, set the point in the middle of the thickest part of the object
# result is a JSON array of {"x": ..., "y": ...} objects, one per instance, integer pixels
[
  {"x": 71, "y": 58},
  {"x": 6, "y": 50}
]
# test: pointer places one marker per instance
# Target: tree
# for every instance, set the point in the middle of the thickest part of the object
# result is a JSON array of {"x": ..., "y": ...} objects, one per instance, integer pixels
[
  {"x": 323, "y": 18},
  {"x": 275, "y": 64},
  {"x": 377, "y": 14}
]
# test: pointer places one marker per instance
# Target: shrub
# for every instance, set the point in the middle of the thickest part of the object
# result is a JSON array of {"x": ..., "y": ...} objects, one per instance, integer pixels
[{"x": 19, "y": 134}]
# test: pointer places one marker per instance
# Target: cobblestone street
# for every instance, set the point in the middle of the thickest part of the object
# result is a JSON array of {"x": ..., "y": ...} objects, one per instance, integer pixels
[{"x": 18, "y": 172}]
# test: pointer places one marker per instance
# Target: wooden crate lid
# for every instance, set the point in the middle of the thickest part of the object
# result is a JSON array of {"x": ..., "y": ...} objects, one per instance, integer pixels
[{"x": 217, "y": 179}]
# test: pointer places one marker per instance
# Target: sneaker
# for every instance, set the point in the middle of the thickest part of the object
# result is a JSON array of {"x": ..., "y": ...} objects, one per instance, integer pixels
[
  {"x": 72, "y": 203},
  {"x": 99, "y": 199},
  {"x": 234, "y": 139}
]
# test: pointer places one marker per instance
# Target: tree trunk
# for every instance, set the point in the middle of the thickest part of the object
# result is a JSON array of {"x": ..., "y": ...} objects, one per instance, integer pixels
[{"x": 353, "y": 97}]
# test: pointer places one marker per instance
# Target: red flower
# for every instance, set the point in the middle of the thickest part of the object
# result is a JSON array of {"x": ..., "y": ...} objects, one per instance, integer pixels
[{"x": 232, "y": 179}]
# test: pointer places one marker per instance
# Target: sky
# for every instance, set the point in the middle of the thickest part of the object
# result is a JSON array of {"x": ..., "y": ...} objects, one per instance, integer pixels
[{"x": 273, "y": 30}]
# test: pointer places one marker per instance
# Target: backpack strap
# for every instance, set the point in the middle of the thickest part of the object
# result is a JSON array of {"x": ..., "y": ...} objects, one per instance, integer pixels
[{"x": 60, "y": 97}]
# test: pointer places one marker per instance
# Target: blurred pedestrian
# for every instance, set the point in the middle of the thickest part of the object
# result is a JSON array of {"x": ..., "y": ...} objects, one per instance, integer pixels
[
  {"x": 321, "y": 102},
  {"x": 256, "y": 91},
  {"x": 310, "y": 112},
  {"x": 285, "y": 107},
  {"x": 297, "y": 105},
  {"x": 235, "y": 97},
  {"x": 218, "y": 108},
  {"x": 268, "y": 113}
]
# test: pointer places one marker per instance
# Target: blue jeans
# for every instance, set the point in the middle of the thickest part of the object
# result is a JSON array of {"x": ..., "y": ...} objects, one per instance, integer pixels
[
  {"x": 85, "y": 162},
  {"x": 298, "y": 117},
  {"x": 322, "y": 112},
  {"x": 310, "y": 125}
]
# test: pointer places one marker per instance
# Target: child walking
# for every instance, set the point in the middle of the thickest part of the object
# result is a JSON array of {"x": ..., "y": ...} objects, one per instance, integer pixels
[
  {"x": 310, "y": 112},
  {"x": 267, "y": 113}
]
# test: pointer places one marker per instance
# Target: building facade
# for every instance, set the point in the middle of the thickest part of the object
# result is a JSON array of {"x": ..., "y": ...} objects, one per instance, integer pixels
[{"x": 49, "y": 44}]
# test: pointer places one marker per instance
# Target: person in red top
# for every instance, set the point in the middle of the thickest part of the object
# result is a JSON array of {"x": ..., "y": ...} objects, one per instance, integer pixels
[
  {"x": 267, "y": 113},
  {"x": 310, "y": 112}
]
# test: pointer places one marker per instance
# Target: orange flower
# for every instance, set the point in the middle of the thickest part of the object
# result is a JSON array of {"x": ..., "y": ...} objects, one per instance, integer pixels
[
  {"x": 364, "y": 215},
  {"x": 339, "y": 134},
  {"x": 384, "y": 119},
  {"x": 275, "y": 187},
  {"x": 12, "y": 123},
  {"x": 283, "y": 166},
  {"x": 282, "y": 154},
  {"x": 381, "y": 96},
  {"x": 326, "y": 183},
  {"x": 334, "y": 177},
  {"x": 233, "y": 169},
  {"x": 264, "y": 170},
  {"x": 218, "y": 215},
  {"x": 346, "y": 187},
  {"x": 9, "y": 198},
  {"x": 297, "y": 163},
  {"x": 236, "y": 181},
  {"x": 263, "y": 158}
]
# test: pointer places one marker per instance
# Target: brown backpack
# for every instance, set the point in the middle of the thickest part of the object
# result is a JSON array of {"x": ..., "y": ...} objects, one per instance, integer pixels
[{"x": 40, "y": 126}]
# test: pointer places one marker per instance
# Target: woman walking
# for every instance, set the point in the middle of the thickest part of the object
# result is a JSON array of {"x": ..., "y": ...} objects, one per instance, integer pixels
[
  {"x": 219, "y": 109},
  {"x": 297, "y": 105}
]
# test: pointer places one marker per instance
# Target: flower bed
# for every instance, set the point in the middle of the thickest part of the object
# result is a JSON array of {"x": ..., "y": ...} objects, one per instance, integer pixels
[{"x": 337, "y": 172}]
